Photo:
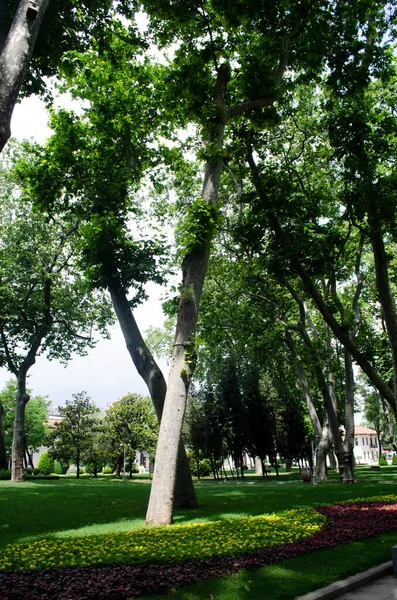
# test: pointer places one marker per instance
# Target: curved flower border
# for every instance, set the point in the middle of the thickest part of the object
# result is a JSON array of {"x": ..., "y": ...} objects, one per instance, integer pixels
[
  {"x": 165, "y": 544},
  {"x": 346, "y": 522}
]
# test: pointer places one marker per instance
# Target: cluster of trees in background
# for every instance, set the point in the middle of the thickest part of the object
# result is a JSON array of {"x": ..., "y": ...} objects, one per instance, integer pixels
[
  {"x": 286, "y": 240},
  {"x": 83, "y": 434}
]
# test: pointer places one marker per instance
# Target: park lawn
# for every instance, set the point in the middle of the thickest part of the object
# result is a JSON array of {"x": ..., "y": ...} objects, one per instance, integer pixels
[
  {"x": 293, "y": 577},
  {"x": 71, "y": 509}
]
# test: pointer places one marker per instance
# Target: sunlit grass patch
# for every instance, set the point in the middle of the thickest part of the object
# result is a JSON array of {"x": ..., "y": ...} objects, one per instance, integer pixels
[{"x": 165, "y": 544}]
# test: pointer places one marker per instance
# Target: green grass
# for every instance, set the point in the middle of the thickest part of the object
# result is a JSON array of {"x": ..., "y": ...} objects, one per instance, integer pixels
[
  {"x": 69, "y": 508},
  {"x": 72, "y": 508},
  {"x": 293, "y": 577}
]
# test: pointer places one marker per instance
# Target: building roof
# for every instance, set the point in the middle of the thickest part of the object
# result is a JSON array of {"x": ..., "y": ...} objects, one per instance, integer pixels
[
  {"x": 52, "y": 421},
  {"x": 364, "y": 431}
]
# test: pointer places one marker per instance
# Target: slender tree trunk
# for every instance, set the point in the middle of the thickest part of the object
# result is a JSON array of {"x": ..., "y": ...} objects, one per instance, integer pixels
[
  {"x": 385, "y": 295},
  {"x": 3, "y": 451},
  {"x": 185, "y": 495},
  {"x": 15, "y": 57},
  {"x": 242, "y": 467},
  {"x": 28, "y": 456},
  {"x": 197, "y": 467},
  {"x": 340, "y": 332},
  {"x": 182, "y": 364},
  {"x": 389, "y": 424},
  {"x": 322, "y": 441},
  {"x": 78, "y": 462},
  {"x": 18, "y": 438},
  {"x": 348, "y": 442},
  {"x": 322, "y": 452}
]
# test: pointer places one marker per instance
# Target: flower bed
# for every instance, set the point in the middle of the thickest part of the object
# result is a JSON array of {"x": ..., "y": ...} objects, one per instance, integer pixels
[
  {"x": 165, "y": 544},
  {"x": 346, "y": 522}
]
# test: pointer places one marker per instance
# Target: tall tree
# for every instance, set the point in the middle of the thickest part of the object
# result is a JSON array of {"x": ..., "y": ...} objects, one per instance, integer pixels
[
  {"x": 111, "y": 152},
  {"x": 129, "y": 425},
  {"x": 47, "y": 304},
  {"x": 207, "y": 34},
  {"x": 36, "y": 429},
  {"x": 358, "y": 115},
  {"x": 71, "y": 436}
]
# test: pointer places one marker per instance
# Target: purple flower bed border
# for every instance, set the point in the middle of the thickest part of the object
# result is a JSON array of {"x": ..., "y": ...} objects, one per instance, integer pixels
[{"x": 346, "y": 523}]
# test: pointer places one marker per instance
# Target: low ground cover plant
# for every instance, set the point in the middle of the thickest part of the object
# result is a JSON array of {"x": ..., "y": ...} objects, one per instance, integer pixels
[{"x": 345, "y": 523}]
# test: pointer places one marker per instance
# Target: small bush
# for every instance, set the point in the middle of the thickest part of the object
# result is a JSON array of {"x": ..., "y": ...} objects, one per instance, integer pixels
[
  {"x": 382, "y": 461},
  {"x": 46, "y": 464},
  {"x": 394, "y": 460},
  {"x": 5, "y": 474},
  {"x": 205, "y": 467},
  {"x": 107, "y": 470},
  {"x": 60, "y": 469}
]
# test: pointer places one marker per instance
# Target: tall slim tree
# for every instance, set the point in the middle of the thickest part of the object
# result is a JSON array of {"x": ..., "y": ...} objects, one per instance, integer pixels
[{"x": 47, "y": 304}]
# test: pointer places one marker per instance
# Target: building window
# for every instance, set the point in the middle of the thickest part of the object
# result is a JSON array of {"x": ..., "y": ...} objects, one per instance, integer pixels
[
  {"x": 375, "y": 442},
  {"x": 356, "y": 441},
  {"x": 366, "y": 439}
]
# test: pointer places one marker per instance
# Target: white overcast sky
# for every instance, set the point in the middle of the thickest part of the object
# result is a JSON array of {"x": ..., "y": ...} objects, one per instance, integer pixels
[{"x": 107, "y": 372}]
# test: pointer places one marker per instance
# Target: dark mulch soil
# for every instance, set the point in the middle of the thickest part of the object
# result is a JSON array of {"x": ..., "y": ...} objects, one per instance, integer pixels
[{"x": 345, "y": 523}]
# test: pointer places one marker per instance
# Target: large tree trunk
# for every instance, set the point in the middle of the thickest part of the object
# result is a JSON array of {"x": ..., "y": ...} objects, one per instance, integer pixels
[
  {"x": 3, "y": 451},
  {"x": 185, "y": 495},
  {"x": 15, "y": 57},
  {"x": 182, "y": 364}
]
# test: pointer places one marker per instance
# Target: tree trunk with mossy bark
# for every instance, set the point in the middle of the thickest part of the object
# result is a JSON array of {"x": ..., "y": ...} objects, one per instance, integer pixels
[
  {"x": 194, "y": 268},
  {"x": 185, "y": 495}
]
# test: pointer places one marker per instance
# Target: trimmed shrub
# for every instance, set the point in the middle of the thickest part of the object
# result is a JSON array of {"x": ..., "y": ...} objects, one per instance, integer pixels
[
  {"x": 5, "y": 474},
  {"x": 382, "y": 461},
  {"x": 107, "y": 470},
  {"x": 46, "y": 464},
  {"x": 394, "y": 460}
]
